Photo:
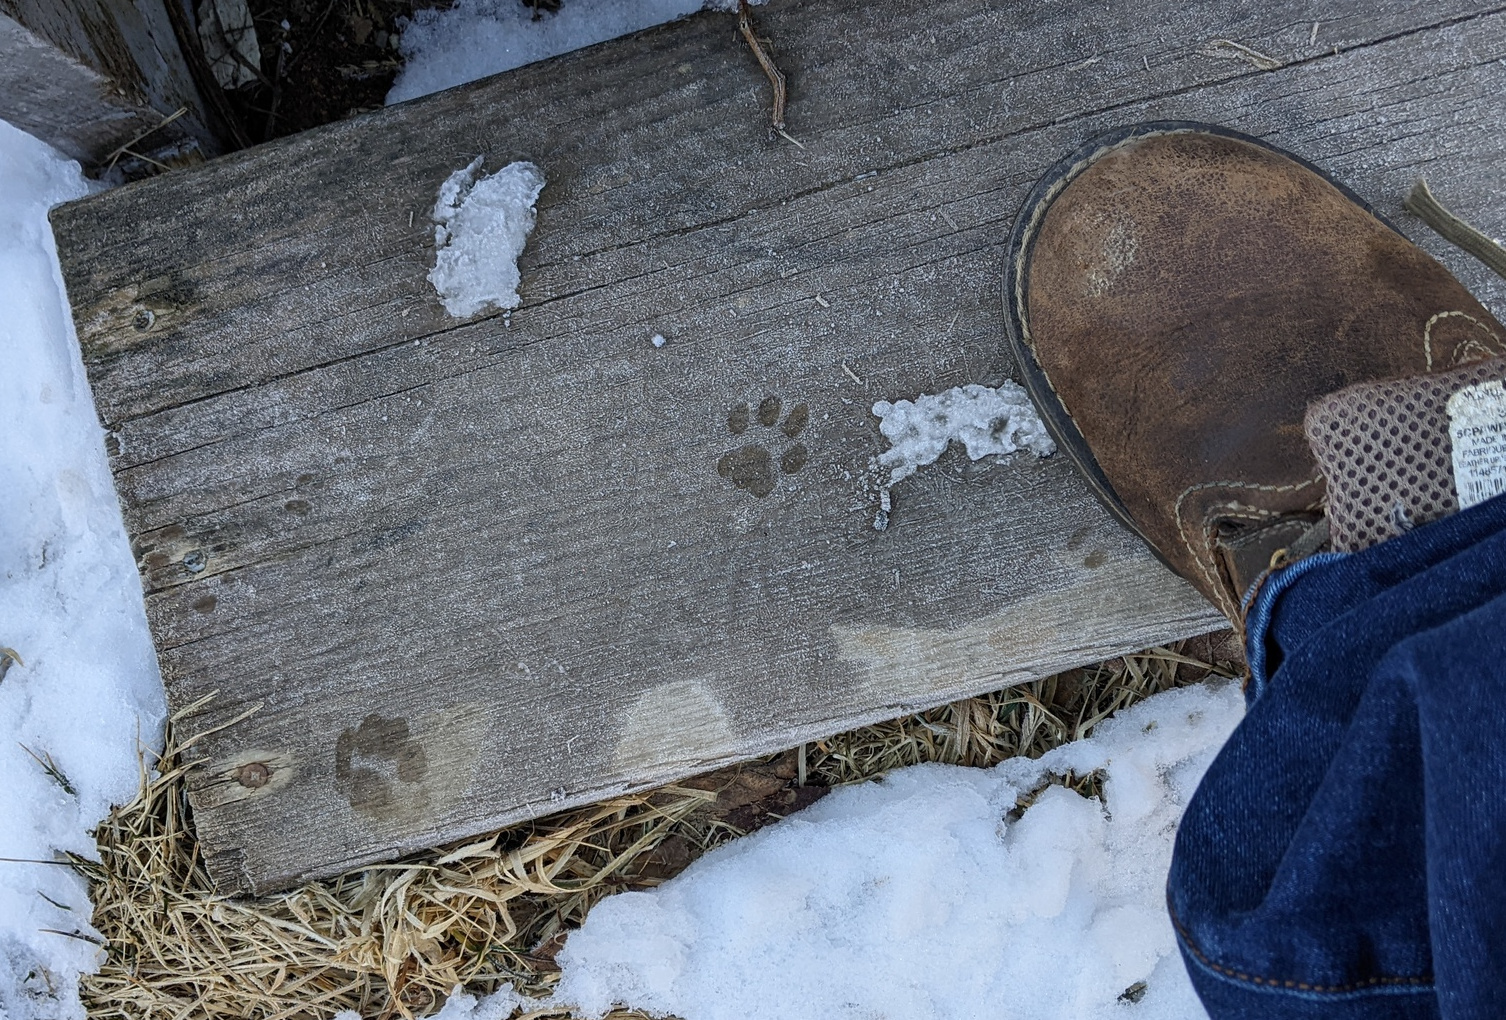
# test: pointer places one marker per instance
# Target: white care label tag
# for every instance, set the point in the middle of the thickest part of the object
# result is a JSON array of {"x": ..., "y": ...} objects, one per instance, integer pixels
[{"x": 1477, "y": 427}]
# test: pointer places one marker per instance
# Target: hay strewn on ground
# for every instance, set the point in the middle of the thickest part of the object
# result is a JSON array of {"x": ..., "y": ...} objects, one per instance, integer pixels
[{"x": 393, "y": 940}]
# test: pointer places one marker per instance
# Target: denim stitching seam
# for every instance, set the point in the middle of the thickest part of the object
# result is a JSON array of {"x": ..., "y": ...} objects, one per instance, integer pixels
[{"x": 1300, "y": 986}]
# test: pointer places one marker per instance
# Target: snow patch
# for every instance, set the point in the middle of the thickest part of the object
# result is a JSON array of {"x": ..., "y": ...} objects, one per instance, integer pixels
[
  {"x": 499, "y": 1005},
  {"x": 985, "y": 421},
  {"x": 482, "y": 223},
  {"x": 70, "y": 605},
  {"x": 476, "y": 38},
  {"x": 920, "y": 896}
]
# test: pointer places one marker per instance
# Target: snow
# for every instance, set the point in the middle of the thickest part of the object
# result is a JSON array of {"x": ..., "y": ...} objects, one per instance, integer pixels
[
  {"x": 70, "y": 605},
  {"x": 985, "y": 421},
  {"x": 476, "y": 38},
  {"x": 461, "y": 1006},
  {"x": 920, "y": 896},
  {"x": 482, "y": 223}
]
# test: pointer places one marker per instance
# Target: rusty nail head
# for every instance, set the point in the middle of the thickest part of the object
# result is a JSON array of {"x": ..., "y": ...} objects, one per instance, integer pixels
[{"x": 253, "y": 776}]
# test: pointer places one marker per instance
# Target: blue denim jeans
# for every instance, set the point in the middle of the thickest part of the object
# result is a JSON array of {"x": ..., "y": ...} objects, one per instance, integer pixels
[{"x": 1345, "y": 856}]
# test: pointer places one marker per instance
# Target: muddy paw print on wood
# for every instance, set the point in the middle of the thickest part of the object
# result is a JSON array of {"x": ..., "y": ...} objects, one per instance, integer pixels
[
  {"x": 754, "y": 467},
  {"x": 374, "y": 761}
]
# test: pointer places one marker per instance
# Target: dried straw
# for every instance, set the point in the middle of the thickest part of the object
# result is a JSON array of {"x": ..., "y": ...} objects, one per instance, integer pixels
[{"x": 394, "y": 940}]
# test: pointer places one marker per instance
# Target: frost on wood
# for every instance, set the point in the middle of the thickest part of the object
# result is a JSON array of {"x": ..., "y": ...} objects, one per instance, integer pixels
[
  {"x": 481, "y": 225},
  {"x": 938, "y": 892}
]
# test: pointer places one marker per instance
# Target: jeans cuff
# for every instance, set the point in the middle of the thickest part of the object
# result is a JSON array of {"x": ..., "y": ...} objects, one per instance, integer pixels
[{"x": 1262, "y": 608}]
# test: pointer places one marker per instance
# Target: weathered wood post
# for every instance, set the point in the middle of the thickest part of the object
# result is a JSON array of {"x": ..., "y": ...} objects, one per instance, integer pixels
[{"x": 92, "y": 76}]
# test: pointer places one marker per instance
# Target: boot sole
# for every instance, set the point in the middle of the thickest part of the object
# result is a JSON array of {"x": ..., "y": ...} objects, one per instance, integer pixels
[{"x": 1017, "y": 276}]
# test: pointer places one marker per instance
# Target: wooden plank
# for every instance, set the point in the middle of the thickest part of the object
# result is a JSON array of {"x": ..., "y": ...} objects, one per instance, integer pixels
[
  {"x": 88, "y": 76},
  {"x": 462, "y": 573}
]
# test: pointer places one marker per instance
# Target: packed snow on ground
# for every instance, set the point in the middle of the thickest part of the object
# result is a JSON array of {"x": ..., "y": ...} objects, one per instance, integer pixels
[
  {"x": 70, "y": 606},
  {"x": 482, "y": 221},
  {"x": 985, "y": 421},
  {"x": 475, "y": 38},
  {"x": 922, "y": 896}
]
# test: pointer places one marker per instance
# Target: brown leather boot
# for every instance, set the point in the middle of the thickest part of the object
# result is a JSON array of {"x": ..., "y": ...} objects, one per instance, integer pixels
[{"x": 1177, "y": 294}]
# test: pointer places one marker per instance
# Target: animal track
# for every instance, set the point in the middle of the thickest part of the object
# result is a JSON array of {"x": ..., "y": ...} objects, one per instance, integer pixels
[
  {"x": 374, "y": 761},
  {"x": 751, "y": 466}
]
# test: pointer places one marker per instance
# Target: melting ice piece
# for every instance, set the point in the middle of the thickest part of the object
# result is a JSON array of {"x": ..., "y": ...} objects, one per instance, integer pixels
[
  {"x": 481, "y": 225},
  {"x": 985, "y": 421}
]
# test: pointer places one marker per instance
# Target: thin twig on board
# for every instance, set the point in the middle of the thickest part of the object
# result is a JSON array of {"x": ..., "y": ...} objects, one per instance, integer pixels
[
  {"x": 776, "y": 76},
  {"x": 125, "y": 149}
]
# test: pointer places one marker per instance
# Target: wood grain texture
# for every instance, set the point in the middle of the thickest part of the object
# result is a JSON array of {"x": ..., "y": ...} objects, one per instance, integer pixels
[
  {"x": 87, "y": 76},
  {"x": 444, "y": 575}
]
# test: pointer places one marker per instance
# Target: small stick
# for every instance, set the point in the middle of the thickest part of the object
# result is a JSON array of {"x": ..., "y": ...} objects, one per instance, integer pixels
[
  {"x": 1229, "y": 49},
  {"x": 776, "y": 76},
  {"x": 55, "y": 903},
  {"x": 1421, "y": 203},
  {"x": 51, "y": 768},
  {"x": 126, "y": 148},
  {"x": 146, "y": 159},
  {"x": 240, "y": 58},
  {"x": 74, "y": 935}
]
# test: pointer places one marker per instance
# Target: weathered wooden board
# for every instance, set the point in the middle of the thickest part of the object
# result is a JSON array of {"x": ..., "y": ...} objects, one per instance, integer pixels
[
  {"x": 444, "y": 575},
  {"x": 88, "y": 76}
]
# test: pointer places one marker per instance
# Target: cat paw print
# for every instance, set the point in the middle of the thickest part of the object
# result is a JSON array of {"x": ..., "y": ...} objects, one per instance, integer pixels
[
  {"x": 753, "y": 467},
  {"x": 377, "y": 763}
]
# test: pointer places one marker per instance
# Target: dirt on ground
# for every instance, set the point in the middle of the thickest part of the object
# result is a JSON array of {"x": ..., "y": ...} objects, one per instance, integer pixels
[{"x": 322, "y": 61}]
